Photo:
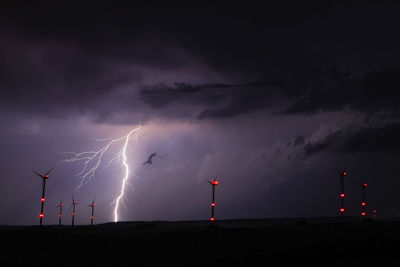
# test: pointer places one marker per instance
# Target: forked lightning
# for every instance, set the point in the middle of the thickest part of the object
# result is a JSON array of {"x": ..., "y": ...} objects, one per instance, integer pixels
[{"x": 92, "y": 160}]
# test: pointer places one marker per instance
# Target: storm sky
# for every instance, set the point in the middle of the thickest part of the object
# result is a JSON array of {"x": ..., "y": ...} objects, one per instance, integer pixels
[{"x": 274, "y": 98}]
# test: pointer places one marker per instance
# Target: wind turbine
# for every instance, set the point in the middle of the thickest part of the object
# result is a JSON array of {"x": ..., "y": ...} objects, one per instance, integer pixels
[
  {"x": 342, "y": 175},
  {"x": 60, "y": 206},
  {"x": 92, "y": 216},
  {"x": 363, "y": 203},
  {"x": 44, "y": 179},
  {"x": 213, "y": 183},
  {"x": 74, "y": 203}
]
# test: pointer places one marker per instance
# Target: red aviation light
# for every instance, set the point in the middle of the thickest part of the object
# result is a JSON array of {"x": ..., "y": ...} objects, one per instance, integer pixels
[
  {"x": 362, "y": 213},
  {"x": 214, "y": 182},
  {"x": 342, "y": 210},
  {"x": 42, "y": 199},
  {"x": 344, "y": 173},
  {"x": 60, "y": 215},
  {"x": 212, "y": 204},
  {"x": 212, "y": 219},
  {"x": 363, "y": 204},
  {"x": 73, "y": 214},
  {"x": 342, "y": 195},
  {"x": 91, "y": 217},
  {"x": 41, "y": 215},
  {"x": 46, "y": 176}
]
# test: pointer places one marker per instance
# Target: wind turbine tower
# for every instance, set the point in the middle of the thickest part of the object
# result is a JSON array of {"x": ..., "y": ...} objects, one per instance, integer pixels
[
  {"x": 342, "y": 195},
  {"x": 92, "y": 216},
  {"x": 74, "y": 203},
  {"x": 60, "y": 206},
  {"x": 42, "y": 199},
  {"x": 363, "y": 203},
  {"x": 213, "y": 183}
]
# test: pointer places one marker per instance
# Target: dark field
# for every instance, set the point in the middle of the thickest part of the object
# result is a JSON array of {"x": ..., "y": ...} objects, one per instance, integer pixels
[{"x": 287, "y": 242}]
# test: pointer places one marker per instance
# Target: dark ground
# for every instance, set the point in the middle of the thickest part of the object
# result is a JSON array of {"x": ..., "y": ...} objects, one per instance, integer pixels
[{"x": 281, "y": 242}]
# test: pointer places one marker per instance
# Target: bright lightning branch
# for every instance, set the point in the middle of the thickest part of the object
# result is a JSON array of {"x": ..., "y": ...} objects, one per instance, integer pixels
[{"x": 92, "y": 160}]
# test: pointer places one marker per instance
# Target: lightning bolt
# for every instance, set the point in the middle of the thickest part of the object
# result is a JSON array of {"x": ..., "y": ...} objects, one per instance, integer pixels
[{"x": 92, "y": 160}]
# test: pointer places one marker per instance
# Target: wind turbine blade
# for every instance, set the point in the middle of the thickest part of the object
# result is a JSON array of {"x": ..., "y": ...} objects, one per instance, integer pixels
[
  {"x": 38, "y": 174},
  {"x": 50, "y": 171},
  {"x": 346, "y": 166}
]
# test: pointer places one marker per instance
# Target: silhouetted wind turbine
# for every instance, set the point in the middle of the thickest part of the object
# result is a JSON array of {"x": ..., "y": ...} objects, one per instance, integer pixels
[
  {"x": 92, "y": 216},
  {"x": 342, "y": 175},
  {"x": 44, "y": 179},
  {"x": 60, "y": 206},
  {"x": 213, "y": 183},
  {"x": 363, "y": 203},
  {"x": 74, "y": 203}
]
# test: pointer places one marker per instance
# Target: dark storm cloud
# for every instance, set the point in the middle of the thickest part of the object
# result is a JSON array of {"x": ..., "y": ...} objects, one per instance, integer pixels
[
  {"x": 375, "y": 91},
  {"x": 298, "y": 141},
  {"x": 365, "y": 140},
  {"x": 218, "y": 100},
  {"x": 56, "y": 57},
  {"x": 370, "y": 140},
  {"x": 331, "y": 140}
]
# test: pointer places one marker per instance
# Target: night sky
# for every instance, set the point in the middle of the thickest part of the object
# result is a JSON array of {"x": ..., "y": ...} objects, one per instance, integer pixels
[{"x": 274, "y": 98}]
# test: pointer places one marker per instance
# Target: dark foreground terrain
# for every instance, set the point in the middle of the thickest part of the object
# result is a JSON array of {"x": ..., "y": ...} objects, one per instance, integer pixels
[{"x": 291, "y": 242}]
